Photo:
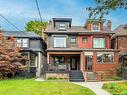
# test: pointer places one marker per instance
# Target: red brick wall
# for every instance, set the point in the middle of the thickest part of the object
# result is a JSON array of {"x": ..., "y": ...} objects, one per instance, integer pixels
[
  {"x": 122, "y": 43},
  {"x": 89, "y": 44},
  {"x": 106, "y": 67}
]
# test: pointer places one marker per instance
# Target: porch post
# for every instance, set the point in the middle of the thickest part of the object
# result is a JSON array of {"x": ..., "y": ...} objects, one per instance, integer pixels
[
  {"x": 48, "y": 58},
  {"x": 38, "y": 74},
  {"x": 82, "y": 61}
]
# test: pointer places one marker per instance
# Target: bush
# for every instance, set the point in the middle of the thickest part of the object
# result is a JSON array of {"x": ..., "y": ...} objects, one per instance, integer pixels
[
  {"x": 116, "y": 88},
  {"x": 54, "y": 78},
  {"x": 116, "y": 78}
]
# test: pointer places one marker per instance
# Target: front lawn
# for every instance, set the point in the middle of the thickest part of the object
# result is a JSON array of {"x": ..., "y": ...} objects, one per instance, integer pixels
[
  {"x": 31, "y": 87},
  {"x": 116, "y": 88}
]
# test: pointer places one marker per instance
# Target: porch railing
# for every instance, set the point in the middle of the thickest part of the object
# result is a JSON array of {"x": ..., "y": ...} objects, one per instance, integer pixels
[{"x": 57, "y": 68}]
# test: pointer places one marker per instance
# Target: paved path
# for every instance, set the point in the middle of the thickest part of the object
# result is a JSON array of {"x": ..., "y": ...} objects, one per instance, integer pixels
[{"x": 96, "y": 87}]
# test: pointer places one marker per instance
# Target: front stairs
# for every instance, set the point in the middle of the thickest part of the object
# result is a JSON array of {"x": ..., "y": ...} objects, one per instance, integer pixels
[{"x": 76, "y": 76}]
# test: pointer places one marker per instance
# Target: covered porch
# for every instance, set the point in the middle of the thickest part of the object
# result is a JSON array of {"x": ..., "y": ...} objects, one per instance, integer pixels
[{"x": 63, "y": 61}]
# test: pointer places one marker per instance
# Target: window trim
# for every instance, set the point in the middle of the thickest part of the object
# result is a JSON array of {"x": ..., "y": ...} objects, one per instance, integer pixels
[
  {"x": 65, "y": 41},
  {"x": 106, "y": 62},
  {"x": 84, "y": 38},
  {"x": 98, "y": 27},
  {"x": 59, "y": 27},
  {"x": 72, "y": 37},
  {"x": 22, "y": 42},
  {"x": 104, "y": 43}
]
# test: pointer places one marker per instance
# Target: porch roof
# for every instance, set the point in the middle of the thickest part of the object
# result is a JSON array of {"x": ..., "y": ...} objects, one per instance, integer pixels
[{"x": 80, "y": 50}]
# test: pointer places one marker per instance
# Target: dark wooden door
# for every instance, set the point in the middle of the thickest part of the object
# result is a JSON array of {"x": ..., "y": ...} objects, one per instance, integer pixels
[{"x": 73, "y": 64}]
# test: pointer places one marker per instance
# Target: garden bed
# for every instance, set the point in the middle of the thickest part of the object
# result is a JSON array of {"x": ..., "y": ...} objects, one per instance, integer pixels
[{"x": 116, "y": 88}]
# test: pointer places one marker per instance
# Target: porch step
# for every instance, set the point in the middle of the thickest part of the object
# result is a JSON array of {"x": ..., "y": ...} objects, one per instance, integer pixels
[
  {"x": 76, "y": 76},
  {"x": 91, "y": 76}
]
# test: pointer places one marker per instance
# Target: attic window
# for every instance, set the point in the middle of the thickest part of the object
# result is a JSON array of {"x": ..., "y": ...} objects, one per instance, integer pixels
[
  {"x": 95, "y": 27},
  {"x": 62, "y": 26}
]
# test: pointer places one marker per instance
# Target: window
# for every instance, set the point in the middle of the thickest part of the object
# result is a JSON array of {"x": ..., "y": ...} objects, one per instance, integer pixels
[
  {"x": 85, "y": 40},
  {"x": 105, "y": 57},
  {"x": 60, "y": 42},
  {"x": 22, "y": 42},
  {"x": 98, "y": 42},
  {"x": 62, "y": 26},
  {"x": 58, "y": 60},
  {"x": 72, "y": 39},
  {"x": 95, "y": 27},
  {"x": 32, "y": 60},
  {"x": 34, "y": 44}
]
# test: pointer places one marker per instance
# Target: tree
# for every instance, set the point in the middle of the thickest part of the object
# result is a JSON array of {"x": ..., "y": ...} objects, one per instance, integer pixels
[
  {"x": 105, "y": 6},
  {"x": 36, "y": 26},
  {"x": 11, "y": 59}
]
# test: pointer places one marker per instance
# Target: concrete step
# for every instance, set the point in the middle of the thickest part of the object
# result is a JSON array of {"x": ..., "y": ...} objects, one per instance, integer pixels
[
  {"x": 77, "y": 80},
  {"x": 76, "y": 76},
  {"x": 91, "y": 76}
]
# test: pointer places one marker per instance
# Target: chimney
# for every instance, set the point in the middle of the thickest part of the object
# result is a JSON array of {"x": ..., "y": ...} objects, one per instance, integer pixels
[{"x": 108, "y": 26}]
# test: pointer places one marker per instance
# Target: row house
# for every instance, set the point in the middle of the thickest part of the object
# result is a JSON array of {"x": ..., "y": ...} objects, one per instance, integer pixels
[
  {"x": 119, "y": 41},
  {"x": 80, "y": 53},
  {"x": 33, "y": 47}
]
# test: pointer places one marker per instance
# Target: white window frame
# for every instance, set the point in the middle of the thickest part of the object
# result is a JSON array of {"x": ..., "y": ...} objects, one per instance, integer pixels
[
  {"x": 62, "y": 26},
  {"x": 106, "y": 53},
  {"x": 95, "y": 46},
  {"x": 58, "y": 38},
  {"x": 95, "y": 24},
  {"x": 22, "y": 42}
]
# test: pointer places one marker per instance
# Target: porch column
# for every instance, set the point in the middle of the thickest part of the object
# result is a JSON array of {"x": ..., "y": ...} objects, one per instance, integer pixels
[
  {"x": 48, "y": 60},
  {"x": 38, "y": 74},
  {"x": 94, "y": 60},
  {"x": 82, "y": 61}
]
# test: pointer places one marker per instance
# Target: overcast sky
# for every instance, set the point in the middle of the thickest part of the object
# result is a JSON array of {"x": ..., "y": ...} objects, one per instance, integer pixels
[{"x": 21, "y": 11}]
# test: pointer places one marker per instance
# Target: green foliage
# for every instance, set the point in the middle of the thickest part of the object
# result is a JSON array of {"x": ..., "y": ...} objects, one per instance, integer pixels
[
  {"x": 104, "y": 6},
  {"x": 116, "y": 78},
  {"x": 36, "y": 26},
  {"x": 116, "y": 88},
  {"x": 54, "y": 78},
  {"x": 32, "y": 87},
  {"x": 11, "y": 59}
]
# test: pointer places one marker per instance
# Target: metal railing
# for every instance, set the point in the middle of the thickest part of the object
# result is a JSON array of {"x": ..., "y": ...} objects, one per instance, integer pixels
[{"x": 57, "y": 68}]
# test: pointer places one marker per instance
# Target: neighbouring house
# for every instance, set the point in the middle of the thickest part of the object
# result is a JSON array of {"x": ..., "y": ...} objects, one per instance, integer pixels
[
  {"x": 33, "y": 47},
  {"x": 80, "y": 53},
  {"x": 119, "y": 41}
]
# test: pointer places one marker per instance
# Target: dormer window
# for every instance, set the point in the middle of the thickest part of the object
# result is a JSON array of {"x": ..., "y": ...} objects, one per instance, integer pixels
[
  {"x": 96, "y": 27},
  {"x": 62, "y": 26}
]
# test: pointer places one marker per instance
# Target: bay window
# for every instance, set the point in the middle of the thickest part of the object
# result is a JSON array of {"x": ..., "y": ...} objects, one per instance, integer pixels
[
  {"x": 105, "y": 57},
  {"x": 98, "y": 42},
  {"x": 60, "y": 42}
]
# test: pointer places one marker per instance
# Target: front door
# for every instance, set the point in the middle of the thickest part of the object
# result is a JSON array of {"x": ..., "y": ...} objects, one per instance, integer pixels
[
  {"x": 73, "y": 64},
  {"x": 89, "y": 62}
]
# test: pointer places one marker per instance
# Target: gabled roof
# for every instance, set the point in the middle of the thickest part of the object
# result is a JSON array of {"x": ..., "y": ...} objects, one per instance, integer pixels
[
  {"x": 21, "y": 34},
  {"x": 120, "y": 31}
]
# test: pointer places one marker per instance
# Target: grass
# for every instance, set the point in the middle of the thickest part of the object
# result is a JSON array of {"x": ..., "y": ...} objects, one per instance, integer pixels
[
  {"x": 31, "y": 87},
  {"x": 116, "y": 88}
]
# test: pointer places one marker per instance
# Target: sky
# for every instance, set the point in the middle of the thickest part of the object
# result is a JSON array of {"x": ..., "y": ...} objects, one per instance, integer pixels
[{"x": 19, "y": 12}]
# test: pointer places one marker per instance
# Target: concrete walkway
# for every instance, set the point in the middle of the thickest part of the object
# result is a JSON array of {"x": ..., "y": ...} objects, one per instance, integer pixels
[{"x": 96, "y": 87}]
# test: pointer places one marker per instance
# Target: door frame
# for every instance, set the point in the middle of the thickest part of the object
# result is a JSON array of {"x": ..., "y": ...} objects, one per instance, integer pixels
[
  {"x": 87, "y": 65},
  {"x": 76, "y": 65}
]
